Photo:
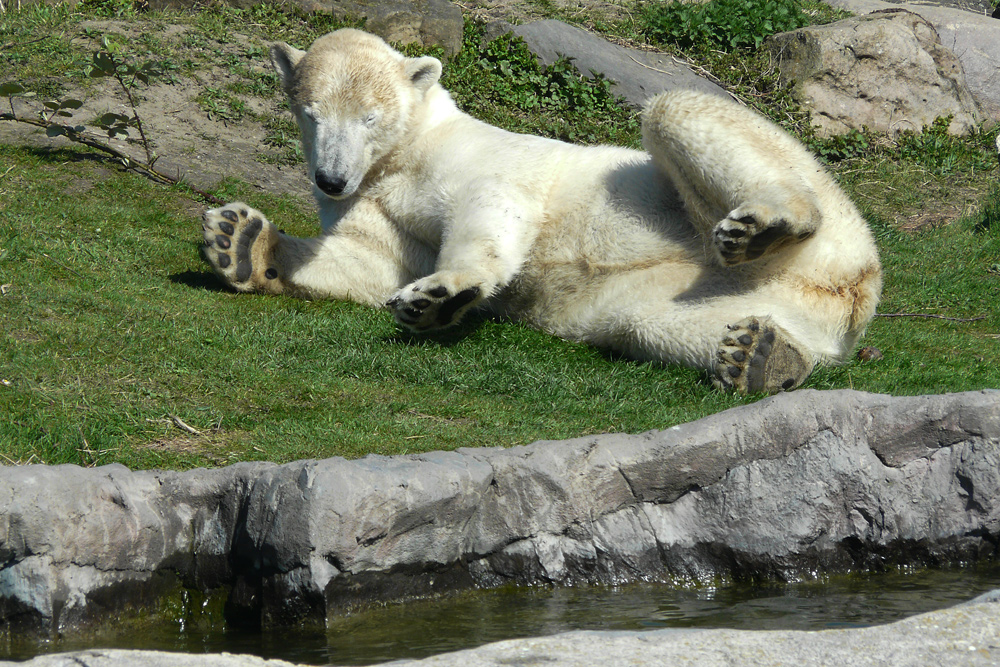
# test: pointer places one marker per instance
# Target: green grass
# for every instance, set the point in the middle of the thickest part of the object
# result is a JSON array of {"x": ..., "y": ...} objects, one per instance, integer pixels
[{"x": 113, "y": 328}]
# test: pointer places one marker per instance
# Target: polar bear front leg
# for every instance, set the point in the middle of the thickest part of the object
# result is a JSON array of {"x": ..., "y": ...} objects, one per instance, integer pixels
[
  {"x": 757, "y": 355},
  {"x": 436, "y": 301},
  {"x": 240, "y": 245},
  {"x": 761, "y": 227},
  {"x": 483, "y": 247}
]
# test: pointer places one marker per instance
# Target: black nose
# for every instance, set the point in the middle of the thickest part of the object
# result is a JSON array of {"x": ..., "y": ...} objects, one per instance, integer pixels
[{"x": 331, "y": 185}]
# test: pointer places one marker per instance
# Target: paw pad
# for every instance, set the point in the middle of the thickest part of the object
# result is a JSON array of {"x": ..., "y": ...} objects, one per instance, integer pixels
[
  {"x": 422, "y": 307},
  {"x": 747, "y": 238},
  {"x": 239, "y": 243},
  {"x": 757, "y": 356}
]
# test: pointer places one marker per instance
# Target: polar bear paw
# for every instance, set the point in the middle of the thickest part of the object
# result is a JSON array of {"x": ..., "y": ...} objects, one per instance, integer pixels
[
  {"x": 749, "y": 232},
  {"x": 239, "y": 244},
  {"x": 434, "y": 302},
  {"x": 759, "y": 356}
]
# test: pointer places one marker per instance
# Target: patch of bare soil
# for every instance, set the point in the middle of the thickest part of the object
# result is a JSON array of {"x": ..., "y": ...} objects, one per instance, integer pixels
[
  {"x": 939, "y": 213},
  {"x": 519, "y": 11},
  {"x": 202, "y": 147},
  {"x": 192, "y": 143}
]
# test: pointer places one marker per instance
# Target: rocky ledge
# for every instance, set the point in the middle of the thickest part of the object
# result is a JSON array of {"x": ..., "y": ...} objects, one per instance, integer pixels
[{"x": 797, "y": 483}]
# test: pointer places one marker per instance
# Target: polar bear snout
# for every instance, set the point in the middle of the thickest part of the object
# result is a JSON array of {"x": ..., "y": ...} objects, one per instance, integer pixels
[{"x": 331, "y": 185}]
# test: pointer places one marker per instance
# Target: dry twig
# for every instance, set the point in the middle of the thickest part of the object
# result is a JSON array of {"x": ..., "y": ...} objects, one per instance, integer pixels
[
  {"x": 179, "y": 423},
  {"x": 932, "y": 315}
]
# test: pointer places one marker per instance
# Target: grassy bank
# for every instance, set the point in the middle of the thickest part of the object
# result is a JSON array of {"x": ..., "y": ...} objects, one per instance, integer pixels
[{"x": 118, "y": 345}]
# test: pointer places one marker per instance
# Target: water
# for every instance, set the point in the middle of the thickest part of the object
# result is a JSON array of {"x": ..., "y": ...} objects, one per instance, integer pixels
[{"x": 423, "y": 628}]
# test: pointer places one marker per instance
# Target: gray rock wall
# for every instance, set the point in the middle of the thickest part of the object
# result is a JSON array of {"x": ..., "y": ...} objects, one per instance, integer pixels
[{"x": 790, "y": 485}]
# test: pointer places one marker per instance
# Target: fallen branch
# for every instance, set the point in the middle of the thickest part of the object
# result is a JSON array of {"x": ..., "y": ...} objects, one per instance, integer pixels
[
  {"x": 179, "y": 423},
  {"x": 105, "y": 64},
  {"x": 127, "y": 161}
]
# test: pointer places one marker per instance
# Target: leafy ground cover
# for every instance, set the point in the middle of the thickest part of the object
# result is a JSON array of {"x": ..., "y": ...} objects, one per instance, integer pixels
[{"x": 118, "y": 345}]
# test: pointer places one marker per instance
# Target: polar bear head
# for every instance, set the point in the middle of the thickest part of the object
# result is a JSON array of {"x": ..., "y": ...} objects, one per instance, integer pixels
[{"x": 354, "y": 98}]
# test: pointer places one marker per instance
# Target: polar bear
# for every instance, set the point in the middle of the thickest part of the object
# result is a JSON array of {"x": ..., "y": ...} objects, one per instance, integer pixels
[{"x": 723, "y": 246}]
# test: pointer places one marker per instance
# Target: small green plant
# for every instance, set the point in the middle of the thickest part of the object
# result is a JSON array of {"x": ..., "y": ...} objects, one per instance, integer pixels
[
  {"x": 940, "y": 151},
  {"x": 502, "y": 82},
  {"x": 851, "y": 144},
  {"x": 220, "y": 104},
  {"x": 114, "y": 8},
  {"x": 283, "y": 135},
  {"x": 987, "y": 219},
  {"x": 726, "y": 24}
]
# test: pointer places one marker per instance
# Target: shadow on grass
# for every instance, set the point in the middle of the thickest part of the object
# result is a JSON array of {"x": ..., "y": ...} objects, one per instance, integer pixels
[
  {"x": 442, "y": 337},
  {"x": 204, "y": 280}
]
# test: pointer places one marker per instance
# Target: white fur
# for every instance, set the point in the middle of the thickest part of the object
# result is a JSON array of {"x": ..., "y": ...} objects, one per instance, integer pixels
[{"x": 620, "y": 248}]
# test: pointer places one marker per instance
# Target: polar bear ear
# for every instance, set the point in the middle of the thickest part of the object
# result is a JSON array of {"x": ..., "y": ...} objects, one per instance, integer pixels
[
  {"x": 423, "y": 72},
  {"x": 285, "y": 58}
]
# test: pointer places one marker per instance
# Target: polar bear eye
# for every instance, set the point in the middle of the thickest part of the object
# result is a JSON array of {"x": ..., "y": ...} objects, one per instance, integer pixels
[{"x": 371, "y": 119}]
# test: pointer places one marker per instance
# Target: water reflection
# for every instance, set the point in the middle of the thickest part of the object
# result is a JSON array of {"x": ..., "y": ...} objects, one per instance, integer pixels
[{"x": 420, "y": 629}]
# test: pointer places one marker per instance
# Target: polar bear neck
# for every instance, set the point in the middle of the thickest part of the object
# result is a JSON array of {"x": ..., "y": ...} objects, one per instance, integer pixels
[{"x": 437, "y": 107}]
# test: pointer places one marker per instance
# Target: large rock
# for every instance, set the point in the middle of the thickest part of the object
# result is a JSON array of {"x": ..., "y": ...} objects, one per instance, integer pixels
[
  {"x": 973, "y": 36},
  {"x": 635, "y": 75},
  {"x": 887, "y": 71},
  {"x": 793, "y": 484},
  {"x": 424, "y": 22},
  {"x": 963, "y": 636}
]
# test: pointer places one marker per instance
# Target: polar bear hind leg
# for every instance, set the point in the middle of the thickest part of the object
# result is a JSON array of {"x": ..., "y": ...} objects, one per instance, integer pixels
[
  {"x": 747, "y": 341},
  {"x": 744, "y": 181},
  {"x": 757, "y": 355}
]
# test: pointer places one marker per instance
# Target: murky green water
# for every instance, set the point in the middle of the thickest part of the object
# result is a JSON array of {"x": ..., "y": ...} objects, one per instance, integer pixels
[{"x": 420, "y": 629}]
